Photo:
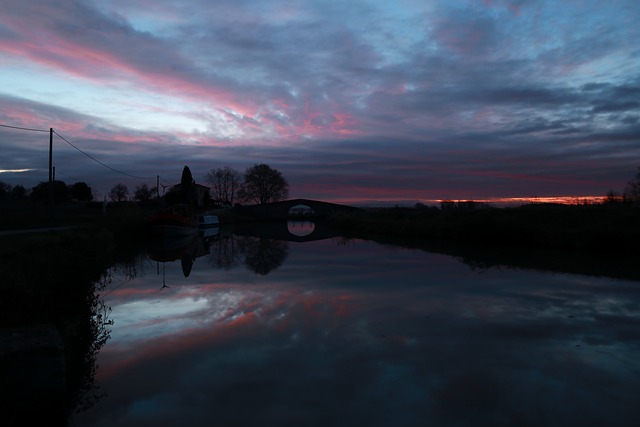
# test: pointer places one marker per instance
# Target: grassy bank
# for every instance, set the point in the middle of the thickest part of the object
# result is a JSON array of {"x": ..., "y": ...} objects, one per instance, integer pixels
[
  {"x": 44, "y": 273},
  {"x": 49, "y": 283},
  {"x": 597, "y": 240},
  {"x": 613, "y": 228}
]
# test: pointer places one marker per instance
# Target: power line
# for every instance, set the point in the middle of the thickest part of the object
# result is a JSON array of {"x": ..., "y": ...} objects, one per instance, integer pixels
[
  {"x": 21, "y": 128},
  {"x": 76, "y": 179},
  {"x": 103, "y": 164},
  {"x": 58, "y": 171},
  {"x": 83, "y": 152}
]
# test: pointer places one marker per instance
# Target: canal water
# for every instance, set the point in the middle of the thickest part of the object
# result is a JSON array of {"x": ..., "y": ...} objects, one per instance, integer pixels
[{"x": 247, "y": 331}]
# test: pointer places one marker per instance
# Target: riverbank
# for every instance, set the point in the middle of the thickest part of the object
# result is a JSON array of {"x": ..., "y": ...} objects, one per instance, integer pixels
[
  {"x": 597, "y": 240},
  {"x": 602, "y": 228},
  {"x": 50, "y": 330}
]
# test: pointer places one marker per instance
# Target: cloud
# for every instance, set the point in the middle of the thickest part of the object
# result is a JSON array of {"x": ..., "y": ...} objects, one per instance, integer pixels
[{"x": 430, "y": 95}]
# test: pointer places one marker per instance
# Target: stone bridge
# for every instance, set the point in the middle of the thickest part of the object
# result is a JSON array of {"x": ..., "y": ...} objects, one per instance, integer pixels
[{"x": 280, "y": 210}]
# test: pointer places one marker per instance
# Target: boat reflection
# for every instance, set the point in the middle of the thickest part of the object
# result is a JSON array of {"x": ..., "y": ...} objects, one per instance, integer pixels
[
  {"x": 222, "y": 250},
  {"x": 184, "y": 248}
]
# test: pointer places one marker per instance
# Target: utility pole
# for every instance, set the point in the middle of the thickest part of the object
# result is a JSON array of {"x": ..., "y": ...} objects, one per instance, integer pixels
[
  {"x": 50, "y": 155},
  {"x": 158, "y": 186},
  {"x": 51, "y": 178}
]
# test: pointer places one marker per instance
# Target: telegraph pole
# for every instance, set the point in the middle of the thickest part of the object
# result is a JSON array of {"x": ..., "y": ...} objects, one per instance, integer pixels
[
  {"x": 51, "y": 195},
  {"x": 50, "y": 155}
]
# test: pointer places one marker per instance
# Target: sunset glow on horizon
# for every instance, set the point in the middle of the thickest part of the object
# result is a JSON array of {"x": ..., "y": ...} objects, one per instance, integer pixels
[{"x": 496, "y": 101}]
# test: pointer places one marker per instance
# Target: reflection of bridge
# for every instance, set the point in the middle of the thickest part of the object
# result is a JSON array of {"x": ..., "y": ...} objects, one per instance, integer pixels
[
  {"x": 280, "y": 210},
  {"x": 273, "y": 229},
  {"x": 279, "y": 230}
]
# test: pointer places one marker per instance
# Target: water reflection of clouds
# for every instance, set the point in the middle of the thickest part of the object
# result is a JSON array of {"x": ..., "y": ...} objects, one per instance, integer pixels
[
  {"x": 148, "y": 319},
  {"x": 320, "y": 341}
]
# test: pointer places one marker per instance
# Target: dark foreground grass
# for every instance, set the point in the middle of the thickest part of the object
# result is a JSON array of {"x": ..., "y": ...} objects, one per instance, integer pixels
[
  {"x": 42, "y": 273},
  {"x": 52, "y": 321}
]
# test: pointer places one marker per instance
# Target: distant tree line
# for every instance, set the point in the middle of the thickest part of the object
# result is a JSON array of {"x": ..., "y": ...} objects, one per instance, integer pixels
[
  {"x": 79, "y": 191},
  {"x": 258, "y": 184},
  {"x": 7, "y": 191}
]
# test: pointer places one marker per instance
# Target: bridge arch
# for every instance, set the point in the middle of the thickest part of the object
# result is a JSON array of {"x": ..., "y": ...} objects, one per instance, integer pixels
[
  {"x": 276, "y": 216},
  {"x": 301, "y": 213},
  {"x": 280, "y": 210}
]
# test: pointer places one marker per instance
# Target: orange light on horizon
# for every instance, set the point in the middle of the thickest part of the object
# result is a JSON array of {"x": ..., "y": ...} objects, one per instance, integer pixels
[{"x": 563, "y": 200}]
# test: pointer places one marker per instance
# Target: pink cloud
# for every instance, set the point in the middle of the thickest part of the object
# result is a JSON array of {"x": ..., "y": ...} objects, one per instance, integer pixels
[
  {"x": 96, "y": 61},
  {"x": 95, "y": 64}
]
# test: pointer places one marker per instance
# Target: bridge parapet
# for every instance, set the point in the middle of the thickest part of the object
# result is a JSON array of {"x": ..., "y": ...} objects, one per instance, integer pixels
[{"x": 280, "y": 210}]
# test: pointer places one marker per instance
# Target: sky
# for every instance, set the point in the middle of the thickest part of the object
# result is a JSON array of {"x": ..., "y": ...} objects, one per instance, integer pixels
[{"x": 365, "y": 101}]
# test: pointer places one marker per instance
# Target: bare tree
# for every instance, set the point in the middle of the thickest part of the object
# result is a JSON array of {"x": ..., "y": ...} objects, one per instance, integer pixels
[
  {"x": 632, "y": 191},
  {"x": 143, "y": 193},
  {"x": 225, "y": 182},
  {"x": 263, "y": 184},
  {"x": 119, "y": 193}
]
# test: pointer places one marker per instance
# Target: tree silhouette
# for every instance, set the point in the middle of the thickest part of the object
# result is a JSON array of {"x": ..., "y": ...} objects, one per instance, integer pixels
[
  {"x": 187, "y": 192},
  {"x": 5, "y": 190},
  {"x": 225, "y": 182},
  {"x": 143, "y": 193},
  {"x": 81, "y": 192},
  {"x": 41, "y": 192},
  {"x": 18, "y": 192},
  {"x": 119, "y": 193},
  {"x": 263, "y": 184},
  {"x": 224, "y": 253},
  {"x": 187, "y": 179},
  {"x": 262, "y": 255},
  {"x": 632, "y": 191}
]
